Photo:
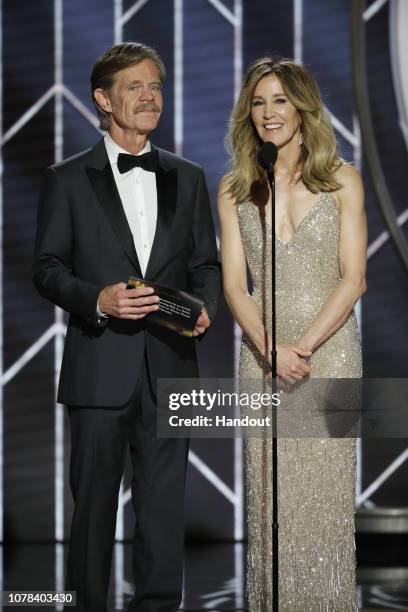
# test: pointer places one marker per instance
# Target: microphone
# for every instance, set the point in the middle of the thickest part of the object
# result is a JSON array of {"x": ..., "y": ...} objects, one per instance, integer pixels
[{"x": 268, "y": 156}]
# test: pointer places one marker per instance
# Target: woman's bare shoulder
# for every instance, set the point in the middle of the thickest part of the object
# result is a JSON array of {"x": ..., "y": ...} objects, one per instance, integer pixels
[
  {"x": 348, "y": 176},
  {"x": 225, "y": 197},
  {"x": 225, "y": 183},
  {"x": 351, "y": 192}
]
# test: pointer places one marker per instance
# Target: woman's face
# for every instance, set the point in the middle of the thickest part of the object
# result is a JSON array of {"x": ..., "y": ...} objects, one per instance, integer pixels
[{"x": 274, "y": 116}]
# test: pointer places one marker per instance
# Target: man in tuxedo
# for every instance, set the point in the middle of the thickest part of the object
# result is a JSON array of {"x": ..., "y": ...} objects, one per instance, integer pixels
[{"x": 125, "y": 208}]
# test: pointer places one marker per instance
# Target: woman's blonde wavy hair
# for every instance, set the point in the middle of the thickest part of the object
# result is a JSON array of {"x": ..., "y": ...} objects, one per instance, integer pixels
[{"x": 318, "y": 153}]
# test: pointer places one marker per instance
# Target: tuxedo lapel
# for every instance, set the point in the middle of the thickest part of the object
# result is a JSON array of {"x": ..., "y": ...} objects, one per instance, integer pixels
[
  {"x": 166, "y": 185},
  {"x": 102, "y": 180}
]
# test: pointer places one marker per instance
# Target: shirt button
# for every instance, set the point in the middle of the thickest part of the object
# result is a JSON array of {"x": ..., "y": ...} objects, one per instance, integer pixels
[
  {"x": 141, "y": 213},
  {"x": 145, "y": 246}
]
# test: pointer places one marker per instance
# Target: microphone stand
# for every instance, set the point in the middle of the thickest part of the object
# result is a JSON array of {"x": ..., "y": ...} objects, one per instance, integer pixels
[{"x": 275, "y": 525}]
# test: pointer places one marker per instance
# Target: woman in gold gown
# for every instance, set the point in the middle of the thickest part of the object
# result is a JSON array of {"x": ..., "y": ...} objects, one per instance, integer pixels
[{"x": 320, "y": 274}]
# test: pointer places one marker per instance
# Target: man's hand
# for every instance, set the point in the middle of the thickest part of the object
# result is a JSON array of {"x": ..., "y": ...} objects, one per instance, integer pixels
[
  {"x": 203, "y": 323},
  {"x": 117, "y": 301}
]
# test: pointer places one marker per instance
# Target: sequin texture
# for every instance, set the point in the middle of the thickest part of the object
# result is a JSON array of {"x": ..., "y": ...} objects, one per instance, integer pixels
[{"x": 316, "y": 476}]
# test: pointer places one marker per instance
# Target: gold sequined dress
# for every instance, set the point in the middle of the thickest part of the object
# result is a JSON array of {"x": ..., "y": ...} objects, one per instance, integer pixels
[{"x": 316, "y": 476}]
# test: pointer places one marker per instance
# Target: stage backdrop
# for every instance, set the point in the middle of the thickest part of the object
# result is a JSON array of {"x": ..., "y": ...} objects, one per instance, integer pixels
[{"x": 48, "y": 48}]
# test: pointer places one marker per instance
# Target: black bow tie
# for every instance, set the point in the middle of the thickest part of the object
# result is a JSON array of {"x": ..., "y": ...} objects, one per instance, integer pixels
[{"x": 148, "y": 161}]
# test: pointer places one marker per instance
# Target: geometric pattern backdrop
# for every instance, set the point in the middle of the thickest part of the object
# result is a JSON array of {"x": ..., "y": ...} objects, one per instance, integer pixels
[{"x": 47, "y": 51}]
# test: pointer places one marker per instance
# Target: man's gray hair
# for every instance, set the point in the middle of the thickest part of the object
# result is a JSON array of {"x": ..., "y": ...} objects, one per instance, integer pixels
[{"x": 117, "y": 58}]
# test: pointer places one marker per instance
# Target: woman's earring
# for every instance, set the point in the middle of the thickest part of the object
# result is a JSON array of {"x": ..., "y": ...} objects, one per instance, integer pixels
[{"x": 300, "y": 138}]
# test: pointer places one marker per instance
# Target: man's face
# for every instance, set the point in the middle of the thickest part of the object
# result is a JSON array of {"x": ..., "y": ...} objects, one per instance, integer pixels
[{"x": 135, "y": 100}]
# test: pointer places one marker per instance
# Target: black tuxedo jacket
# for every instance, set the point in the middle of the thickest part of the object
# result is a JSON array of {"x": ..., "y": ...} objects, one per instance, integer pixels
[{"x": 84, "y": 243}]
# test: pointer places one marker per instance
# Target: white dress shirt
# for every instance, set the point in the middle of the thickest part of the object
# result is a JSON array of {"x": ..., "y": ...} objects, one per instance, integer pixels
[
  {"x": 137, "y": 190},
  {"x": 138, "y": 193}
]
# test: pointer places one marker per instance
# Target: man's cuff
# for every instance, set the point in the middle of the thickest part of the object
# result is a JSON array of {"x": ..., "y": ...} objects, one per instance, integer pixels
[{"x": 99, "y": 314}]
